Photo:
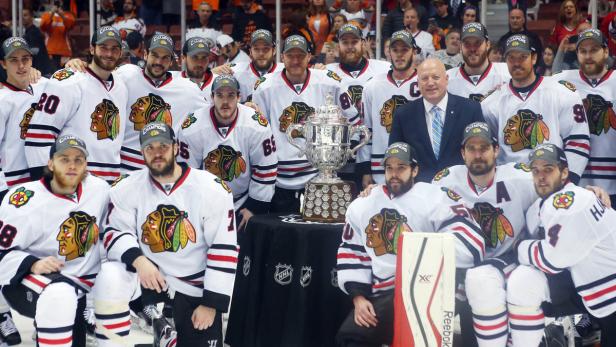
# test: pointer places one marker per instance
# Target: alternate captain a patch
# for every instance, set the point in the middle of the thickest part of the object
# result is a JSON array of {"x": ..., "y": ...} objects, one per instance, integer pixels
[
  {"x": 563, "y": 200},
  {"x": 167, "y": 229},
  {"x": 20, "y": 197}
]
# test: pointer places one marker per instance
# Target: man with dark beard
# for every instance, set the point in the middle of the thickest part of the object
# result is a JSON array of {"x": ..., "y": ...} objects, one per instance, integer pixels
[
  {"x": 367, "y": 255},
  {"x": 597, "y": 87},
  {"x": 195, "y": 56},
  {"x": 477, "y": 77},
  {"x": 73, "y": 102}
]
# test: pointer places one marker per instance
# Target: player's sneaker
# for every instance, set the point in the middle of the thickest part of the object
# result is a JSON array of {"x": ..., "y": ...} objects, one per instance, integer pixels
[
  {"x": 8, "y": 330},
  {"x": 554, "y": 336}
]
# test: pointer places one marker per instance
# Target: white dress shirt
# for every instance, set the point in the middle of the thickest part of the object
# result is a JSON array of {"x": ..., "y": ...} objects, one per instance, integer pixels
[{"x": 428, "y": 106}]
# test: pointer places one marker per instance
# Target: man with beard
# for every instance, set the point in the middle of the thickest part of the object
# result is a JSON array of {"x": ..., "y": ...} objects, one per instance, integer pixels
[
  {"x": 517, "y": 25},
  {"x": 367, "y": 254},
  {"x": 382, "y": 95},
  {"x": 73, "y": 102},
  {"x": 533, "y": 110},
  {"x": 129, "y": 21},
  {"x": 597, "y": 86},
  {"x": 423, "y": 39},
  {"x": 569, "y": 267},
  {"x": 169, "y": 228},
  {"x": 235, "y": 143},
  {"x": 49, "y": 265},
  {"x": 477, "y": 77},
  {"x": 288, "y": 97},
  {"x": 196, "y": 57}
]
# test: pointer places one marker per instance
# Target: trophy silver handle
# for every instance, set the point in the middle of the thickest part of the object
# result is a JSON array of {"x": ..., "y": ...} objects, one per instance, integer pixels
[
  {"x": 366, "y": 132},
  {"x": 300, "y": 129}
]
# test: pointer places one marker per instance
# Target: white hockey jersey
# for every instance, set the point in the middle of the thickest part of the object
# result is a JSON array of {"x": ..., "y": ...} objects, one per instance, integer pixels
[
  {"x": 189, "y": 233},
  {"x": 599, "y": 103},
  {"x": 381, "y": 97},
  {"x": 579, "y": 234},
  {"x": 247, "y": 75},
  {"x": 501, "y": 208},
  {"x": 284, "y": 104},
  {"x": 477, "y": 87},
  {"x": 69, "y": 231},
  {"x": 551, "y": 112},
  {"x": 169, "y": 102},
  {"x": 205, "y": 86},
  {"x": 244, "y": 155},
  {"x": 81, "y": 104},
  {"x": 367, "y": 254},
  {"x": 424, "y": 41},
  {"x": 18, "y": 106},
  {"x": 126, "y": 25}
]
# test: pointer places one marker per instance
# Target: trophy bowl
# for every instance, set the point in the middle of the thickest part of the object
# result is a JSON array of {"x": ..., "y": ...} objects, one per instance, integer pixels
[{"x": 327, "y": 134}]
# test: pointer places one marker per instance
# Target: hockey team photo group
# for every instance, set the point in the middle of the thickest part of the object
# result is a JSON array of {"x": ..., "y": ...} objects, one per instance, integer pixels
[{"x": 308, "y": 173}]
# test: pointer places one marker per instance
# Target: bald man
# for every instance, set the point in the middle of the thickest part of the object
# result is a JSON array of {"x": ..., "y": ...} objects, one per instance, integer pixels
[
  {"x": 434, "y": 123},
  {"x": 517, "y": 25}
]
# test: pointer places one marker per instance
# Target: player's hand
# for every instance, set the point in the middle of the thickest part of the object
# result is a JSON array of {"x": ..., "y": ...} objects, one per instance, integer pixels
[
  {"x": 77, "y": 65},
  {"x": 601, "y": 195},
  {"x": 252, "y": 105},
  {"x": 224, "y": 69},
  {"x": 149, "y": 276},
  {"x": 366, "y": 181},
  {"x": 47, "y": 265},
  {"x": 203, "y": 317},
  {"x": 364, "y": 312},
  {"x": 35, "y": 75},
  {"x": 246, "y": 215},
  {"x": 364, "y": 193},
  {"x": 318, "y": 66}
]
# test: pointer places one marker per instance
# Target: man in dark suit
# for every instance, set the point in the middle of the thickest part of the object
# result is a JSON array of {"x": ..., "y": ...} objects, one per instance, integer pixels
[{"x": 434, "y": 123}]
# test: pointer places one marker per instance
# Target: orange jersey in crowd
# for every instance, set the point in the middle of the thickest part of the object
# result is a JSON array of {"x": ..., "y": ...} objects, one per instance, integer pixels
[{"x": 57, "y": 29}]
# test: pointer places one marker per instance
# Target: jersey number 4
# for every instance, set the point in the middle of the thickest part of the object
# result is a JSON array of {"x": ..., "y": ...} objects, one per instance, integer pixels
[{"x": 7, "y": 234}]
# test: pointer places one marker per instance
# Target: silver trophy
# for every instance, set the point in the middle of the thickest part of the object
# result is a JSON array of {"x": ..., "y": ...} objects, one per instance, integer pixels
[{"x": 327, "y": 134}]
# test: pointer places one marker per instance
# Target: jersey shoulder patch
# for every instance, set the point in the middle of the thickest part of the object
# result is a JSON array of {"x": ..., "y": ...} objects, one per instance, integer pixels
[
  {"x": 260, "y": 118},
  {"x": 522, "y": 166},
  {"x": 189, "y": 120},
  {"x": 563, "y": 200},
  {"x": 117, "y": 180},
  {"x": 63, "y": 74},
  {"x": 568, "y": 85},
  {"x": 258, "y": 82},
  {"x": 223, "y": 184},
  {"x": 20, "y": 197},
  {"x": 439, "y": 175},
  {"x": 333, "y": 76},
  {"x": 451, "y": 194}
]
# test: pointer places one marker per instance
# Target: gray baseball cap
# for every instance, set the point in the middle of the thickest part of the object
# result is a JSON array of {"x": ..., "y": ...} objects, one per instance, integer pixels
[
  {"x": 474, "y": 30},
  {"x": 65, "y": 142},
  {"x": 548, "y": 152},
  {"x": 296, "y": 41},
  {"x": 105, "y": 33},
  {"x": 404, "y": 37},
  {"x": 351, "y": 29},
  {"x": 156, "y": 131},
  {"x": 262, "y": 35},
  {"x": 478, "y": 129},
  {"x": 161, "y": 40},
  {"x": 225, "y": 81},
  {"x": 13, "y": 44},
  {"x": 195, "y": 45},
  {"x": 402, "y": 151},
  {"x": 591, "y": 34},
  {"x": 519, "y": 43}
]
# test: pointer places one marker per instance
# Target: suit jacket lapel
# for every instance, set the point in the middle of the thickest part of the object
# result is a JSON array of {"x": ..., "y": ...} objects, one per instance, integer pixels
[{"x": 450, "y": 123}]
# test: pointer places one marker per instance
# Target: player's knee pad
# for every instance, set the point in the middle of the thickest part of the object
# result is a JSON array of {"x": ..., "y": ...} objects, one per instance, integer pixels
[
  {"x": 485, "y": 288},
  {"x": 527, "y": 287},
  {"x": 114, "y": 283},
  {"x": 55, "y": 315}
]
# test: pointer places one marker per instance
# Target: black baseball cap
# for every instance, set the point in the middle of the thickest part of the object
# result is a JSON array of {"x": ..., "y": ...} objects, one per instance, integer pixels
[
  {"x": 161, "y": 40},
  {"x": 65, "y": 142},
  {"x": 195, "y": 45},
  {"x": 478, "y": 129},
  {"x": 519, "y": 43},
  {"x": 105, "y": 33},
  {"x": 225, "y": 81},
  {"x": 349, "y": 29},
  {"x": 156, "y": 131},
  {"x": 262, "y": 35},
  {"x": 13, "y": 44},
  {"x": 474, "y": 30},
  {"x": 402, "y": 151},
  {"x": 591, "y": 34},
  {"x": 548, "y": 152}
]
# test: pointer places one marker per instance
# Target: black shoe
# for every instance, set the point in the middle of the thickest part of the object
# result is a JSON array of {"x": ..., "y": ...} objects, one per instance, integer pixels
[
  {"x": 164, "y": 335},
  {"x": 8, "y": 330},
  {"x": 554, "y": 336}
]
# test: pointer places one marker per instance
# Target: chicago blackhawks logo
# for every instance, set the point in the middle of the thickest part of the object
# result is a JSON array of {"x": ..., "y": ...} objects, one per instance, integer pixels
[
  {"x": 297, "y": 113},
  {"x": 189, "y": 120},
  {"x": 223, "y": 184},
  {"x": 148, "y": 109},
  {"x": 495, "y": 226},
  {"x": 439, "y": 175},
  {"x": 522, "y": 166},
  {"x": 167, "y": 229},
  {"x": 260, "y": 118},
  {"x": 477, "y": 97},
  {"x": 563, "y": 200},
  {"x": 25, "y": 121},
  {"x": 63, "y": 74},
  {"x": 117, "y": 180},
  {"x": 600, "y": 113},
  {"x": 333, "y": 76},
  {"x": 258, "y": 82},
  {"x": 225, "y": 162},
  {"x": 525, "y": 130},
  {"x": 568, "y": 85},
  {"x": 77, "y": 234},
  {"x": 20, "y": 197},
  {"x": 388, "y": 109},
  {"x": 106, "y": 120},
  {"x": 383, "y": 231},
  {"x": 451, "y": 194},
  {"x": 355, "y": 95}
]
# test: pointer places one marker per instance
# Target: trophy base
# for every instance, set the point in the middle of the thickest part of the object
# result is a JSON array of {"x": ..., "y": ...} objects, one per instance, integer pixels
[{"x": 327, "y": 202}]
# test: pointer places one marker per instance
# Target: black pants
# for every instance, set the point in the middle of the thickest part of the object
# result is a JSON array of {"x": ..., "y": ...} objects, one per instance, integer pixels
[
  {"x": 353, "y": 335},
  {"x": 23, "y": 300},
  {"x": 286, "y": 201},
  {"x": 188, "y": 336}
]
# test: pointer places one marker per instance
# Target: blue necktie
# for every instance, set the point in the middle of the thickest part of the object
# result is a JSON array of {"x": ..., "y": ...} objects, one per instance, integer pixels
[{"x": 437, "y": 129}]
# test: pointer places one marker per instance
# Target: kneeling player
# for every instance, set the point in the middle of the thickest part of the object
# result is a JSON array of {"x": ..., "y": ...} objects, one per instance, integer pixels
[
  {"x": 48, "y": 268},
  {"x": 577, "y": 234},
  {"x": 367, "y": 254},
  {"x": 168, "y": 227}
]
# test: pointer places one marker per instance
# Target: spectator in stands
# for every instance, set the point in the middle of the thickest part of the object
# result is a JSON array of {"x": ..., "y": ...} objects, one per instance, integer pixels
[
  {"x": 136, "y": 48},
  {"x": 297, "y": 25},
  {"x": 319, "y": 23},
  {"x": 566, "y": 56},
  {"x": 330, "y": 53},
  {"x": 129, "y": 21},
  {"x": 36, "y": 40},
  {"x": 608, "y": 28},
  {"x": 517, "y": 25},
  {"x": 450, "y": 56},
  {"x": 206, "y": 17},
  {"x": 395, "y": 18},
  {"x": 337, "y": 22},
  {"x": 356, "y": 15},
  {"x": 469, "y": 15},
  {"x": 443, "y": 18},
  {"x": 423, "y": 39},
  {"x": 549, "y": 52},
  {"x": 495, "y": 53},
  {"x": 567, "y": 22},
  {"x": 56, "y": 24},
  {"x": 231, "y": 50},
  {"x": 386, "y": 56},
  {"x": 248, "y": 18},
  {"x": 109, "y": 11}
]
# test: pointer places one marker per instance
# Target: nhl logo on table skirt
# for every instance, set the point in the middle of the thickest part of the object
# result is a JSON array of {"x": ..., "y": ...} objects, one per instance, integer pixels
[
  {"x": 283, "y": 274},
  {"x": 334, "y": 277},
  {"x": 305, "y": 276},
  {"x": 246, "y": 266}
]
